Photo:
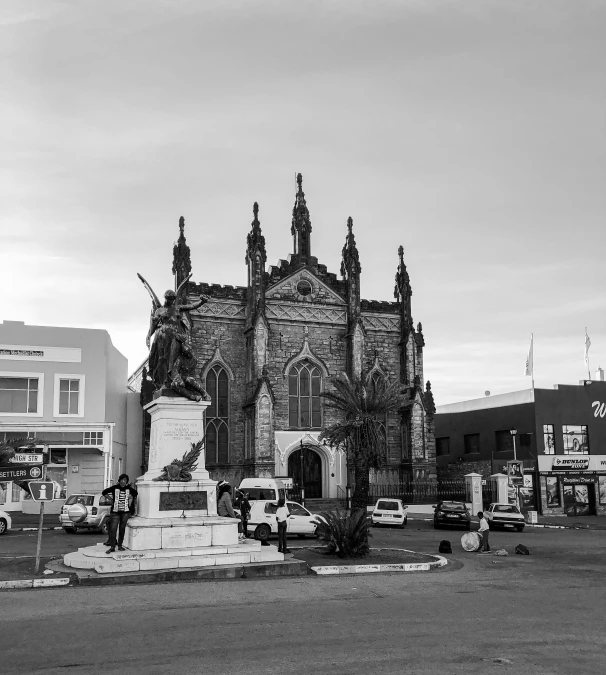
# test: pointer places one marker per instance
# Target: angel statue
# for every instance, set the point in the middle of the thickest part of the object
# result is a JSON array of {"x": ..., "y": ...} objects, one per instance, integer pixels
[{"x": 171, "y": 361}]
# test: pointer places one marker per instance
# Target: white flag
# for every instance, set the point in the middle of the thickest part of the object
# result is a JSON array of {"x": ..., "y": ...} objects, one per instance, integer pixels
[
  {"x": 587, "y": 345},
  {"x": 529, "y": 364}
]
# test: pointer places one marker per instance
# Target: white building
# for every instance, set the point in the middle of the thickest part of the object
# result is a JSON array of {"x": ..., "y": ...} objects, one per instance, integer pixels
[{"x": 66, "y": 387}]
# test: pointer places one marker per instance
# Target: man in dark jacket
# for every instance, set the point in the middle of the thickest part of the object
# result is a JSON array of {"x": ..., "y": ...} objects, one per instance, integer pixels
[{"x": 124, "y": 496}]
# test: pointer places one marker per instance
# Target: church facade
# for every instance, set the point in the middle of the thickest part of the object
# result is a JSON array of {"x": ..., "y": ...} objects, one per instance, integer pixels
[{"x": 266, "y": 351}]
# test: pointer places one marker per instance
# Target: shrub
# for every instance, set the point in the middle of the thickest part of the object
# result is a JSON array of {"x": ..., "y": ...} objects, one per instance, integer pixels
[{"x": 345, "y": 533}]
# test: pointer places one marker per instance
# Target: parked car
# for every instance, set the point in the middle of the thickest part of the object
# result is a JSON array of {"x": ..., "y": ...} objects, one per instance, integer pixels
[
  {"x": 5, "y": 522},
  {"x": 389, "y": 512},
  {"x": 451, "y": 514},
  {"x": 262, "y": 520},
  {"x": 504, "y": 515},
  {"x": 97, "y": 513}
]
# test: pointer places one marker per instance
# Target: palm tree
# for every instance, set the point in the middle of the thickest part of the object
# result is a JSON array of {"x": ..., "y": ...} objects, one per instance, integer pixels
[{"x": 363, "y": 403}]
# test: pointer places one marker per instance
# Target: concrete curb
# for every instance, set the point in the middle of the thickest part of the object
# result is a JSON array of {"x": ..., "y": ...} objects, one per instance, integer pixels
[
  {"x": 438, "y": 561},
  {"x": 32, "y": 529},
  {"x": 34, "y": 583},
  {"x": 550, "y": 527}
]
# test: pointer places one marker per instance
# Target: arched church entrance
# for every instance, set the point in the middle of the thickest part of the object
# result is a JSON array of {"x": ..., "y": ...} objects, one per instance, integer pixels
[{"x": 306, "y": 462}]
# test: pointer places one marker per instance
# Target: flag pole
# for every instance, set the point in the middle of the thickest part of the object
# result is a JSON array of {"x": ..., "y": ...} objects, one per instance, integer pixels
[
  {"x": 532, "y": 363},
  {"x": 587, "y": 354}
]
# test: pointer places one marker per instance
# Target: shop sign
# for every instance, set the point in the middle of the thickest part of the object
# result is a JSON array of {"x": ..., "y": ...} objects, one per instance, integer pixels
[
  {"x": 26, "y": 458},
  {"x": 570, "y": 463},
  {"x": 567, "y": 480},
  {"x": 21, "y": 472}
]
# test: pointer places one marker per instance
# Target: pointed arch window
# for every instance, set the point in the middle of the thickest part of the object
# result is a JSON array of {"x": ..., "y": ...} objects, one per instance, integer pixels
[
  {"x": 217, "y": 416},
  {"x": 304, "y": 386},
  {"x": 377, "y": 380}
]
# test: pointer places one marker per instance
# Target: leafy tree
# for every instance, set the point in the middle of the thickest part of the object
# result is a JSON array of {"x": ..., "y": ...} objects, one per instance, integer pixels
[{"x": 362, "y": 403}]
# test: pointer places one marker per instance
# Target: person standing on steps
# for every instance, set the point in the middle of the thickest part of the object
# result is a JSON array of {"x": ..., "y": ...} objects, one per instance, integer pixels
[
  {"x": 123, "y": 507},
  {"x": 282, "y": 515},
  {"x": 483, "y": 532}
]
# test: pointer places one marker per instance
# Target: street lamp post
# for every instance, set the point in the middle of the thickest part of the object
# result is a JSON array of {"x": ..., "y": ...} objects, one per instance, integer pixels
[
  {"x": 302, "y": 477},
  {"x": 513, "y": 431}
]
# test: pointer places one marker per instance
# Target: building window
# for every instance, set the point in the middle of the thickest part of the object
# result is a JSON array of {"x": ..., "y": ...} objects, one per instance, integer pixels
[
  {"x": 394, "y": 453},
  {"x": 404, "y": 439},
  {"x": 504, "y": 441},
  {"x": 442, "y": 446},
  {"x": 471, "y": 443},
  {"x": 217, "y": 416},
  {"x": 69, "y": 395},
  {"x": 304, "y": 385},
  {"x": 93, "y": 438},
  {"x": 548, "y": 440},
  {"x": 19, "y": 395},
  {"x": 576, "y": 441}
]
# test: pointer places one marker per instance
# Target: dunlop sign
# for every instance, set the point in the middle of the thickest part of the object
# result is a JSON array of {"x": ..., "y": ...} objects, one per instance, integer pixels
[{"x": 570, "y": 463}]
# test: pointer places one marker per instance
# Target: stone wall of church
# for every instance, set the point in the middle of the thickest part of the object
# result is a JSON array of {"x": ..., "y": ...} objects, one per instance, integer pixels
[
  {"x": 286, "y": 341},
  {"x": 385, "y": 345},
  {"x": 208, "y": 333}
]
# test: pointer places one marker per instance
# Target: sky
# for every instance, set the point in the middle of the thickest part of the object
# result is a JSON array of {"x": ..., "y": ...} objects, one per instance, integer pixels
[{"x": 472, "y": 133}]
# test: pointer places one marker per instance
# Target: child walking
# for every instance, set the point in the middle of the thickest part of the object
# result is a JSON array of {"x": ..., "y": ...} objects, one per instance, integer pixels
[{"x": 483, "y": 532}]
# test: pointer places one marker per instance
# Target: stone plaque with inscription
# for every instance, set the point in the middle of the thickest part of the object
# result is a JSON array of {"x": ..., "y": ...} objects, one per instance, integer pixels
[{"x": 183, "y": 501}]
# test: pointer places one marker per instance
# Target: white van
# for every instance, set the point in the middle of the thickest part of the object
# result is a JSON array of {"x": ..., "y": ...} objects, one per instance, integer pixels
[{"x": 263, "y": 489}]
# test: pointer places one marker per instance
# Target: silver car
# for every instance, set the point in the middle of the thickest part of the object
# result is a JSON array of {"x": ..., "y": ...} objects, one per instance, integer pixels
[{"x": 96, "y": 517}]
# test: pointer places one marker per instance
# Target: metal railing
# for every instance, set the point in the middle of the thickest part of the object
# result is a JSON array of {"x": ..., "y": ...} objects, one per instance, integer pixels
[{"x": 419, "y": 492}]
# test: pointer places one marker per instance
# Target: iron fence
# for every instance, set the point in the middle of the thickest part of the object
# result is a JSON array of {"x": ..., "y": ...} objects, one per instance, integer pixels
[{"x": 419, "y": 492}]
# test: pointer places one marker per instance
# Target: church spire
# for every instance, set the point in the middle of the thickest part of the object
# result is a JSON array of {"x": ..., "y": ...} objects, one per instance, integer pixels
[
  {"x": 181, "y": 256},
  {"x": 351, "y": 260},
  {"x": 301, "y": 224},
  {"x": 255, "y": 240}
]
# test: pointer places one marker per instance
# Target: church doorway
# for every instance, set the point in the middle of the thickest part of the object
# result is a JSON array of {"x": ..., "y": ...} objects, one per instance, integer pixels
[{"x": 306, "y": 462}]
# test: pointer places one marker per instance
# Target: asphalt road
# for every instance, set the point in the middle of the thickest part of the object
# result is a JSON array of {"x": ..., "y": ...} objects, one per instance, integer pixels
[{"x": 540, "y": 614}]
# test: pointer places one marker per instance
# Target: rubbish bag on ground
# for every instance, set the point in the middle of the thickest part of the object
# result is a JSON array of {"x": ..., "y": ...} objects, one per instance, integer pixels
[
  {"x": 522, "y": 550},
  {"x": 501, "y": 551},
  {"x": 471, "y": 541}
]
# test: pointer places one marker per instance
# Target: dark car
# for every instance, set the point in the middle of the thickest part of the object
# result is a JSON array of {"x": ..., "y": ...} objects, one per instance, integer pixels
[{"x": 451, "y": 514}]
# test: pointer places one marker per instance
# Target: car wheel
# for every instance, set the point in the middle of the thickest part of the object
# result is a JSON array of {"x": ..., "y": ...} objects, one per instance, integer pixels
[
  {"x": 403, "y": 525},
  {"x": 435, "y": 525},
  {"x": 3, "y": 526},
  {"x": 105, "y": 527},
  {"x": 520, "y": 528},
  {"x": 262, "y": 532},
  {"x": 70, "y": 530}
]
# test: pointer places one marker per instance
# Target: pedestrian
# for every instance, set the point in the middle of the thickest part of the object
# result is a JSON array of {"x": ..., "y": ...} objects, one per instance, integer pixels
[
  {"x": 123, "y": 507},
  {"x": 224, "y": 506},
  {"x": 282, "y": 515},
  {"x": 483, "y": 532},
  {"x": 244, "y": 506}
]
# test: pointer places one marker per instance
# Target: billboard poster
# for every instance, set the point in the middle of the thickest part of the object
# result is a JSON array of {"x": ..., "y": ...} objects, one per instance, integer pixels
[{"x": 515, "y": 472}]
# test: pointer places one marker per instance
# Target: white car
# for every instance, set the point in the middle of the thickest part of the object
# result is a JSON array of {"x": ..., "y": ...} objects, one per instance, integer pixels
[
  {"x": 262, "y": 520},
  {"x": 504, "y": 515},
  {"x": 5, "y": 522},
  {"x": 389, "y": 512}
]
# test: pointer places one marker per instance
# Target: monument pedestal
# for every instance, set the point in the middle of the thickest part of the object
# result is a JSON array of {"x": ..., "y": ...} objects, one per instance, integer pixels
[{"x": 176, "y": 523}]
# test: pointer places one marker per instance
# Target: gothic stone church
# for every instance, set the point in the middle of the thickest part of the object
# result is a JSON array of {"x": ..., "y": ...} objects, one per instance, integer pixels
[{"x": 266, "y": 352}]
